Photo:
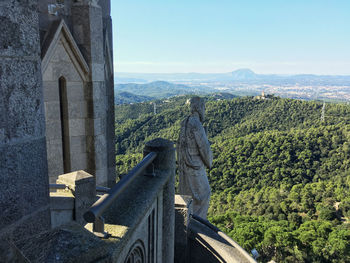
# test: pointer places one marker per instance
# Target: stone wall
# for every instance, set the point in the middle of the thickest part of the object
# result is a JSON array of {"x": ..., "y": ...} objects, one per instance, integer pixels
[{"x": 24, "y": 197}]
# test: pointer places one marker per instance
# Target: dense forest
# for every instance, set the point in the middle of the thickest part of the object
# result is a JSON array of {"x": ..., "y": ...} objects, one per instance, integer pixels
[{"x": 280, "y": 178}]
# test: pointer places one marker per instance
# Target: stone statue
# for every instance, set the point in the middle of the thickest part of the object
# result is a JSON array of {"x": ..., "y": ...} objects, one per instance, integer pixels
[{"x": 194, "y": 155}]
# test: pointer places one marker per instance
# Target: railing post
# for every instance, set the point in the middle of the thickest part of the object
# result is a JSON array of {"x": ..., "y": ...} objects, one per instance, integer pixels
[
  {"x": 164, "y": 164},
  {"x": 83, "y": 187}
]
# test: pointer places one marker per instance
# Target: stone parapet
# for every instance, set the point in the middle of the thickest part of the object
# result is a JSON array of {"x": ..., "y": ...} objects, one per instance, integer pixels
[{"x": 183, "y": 210}]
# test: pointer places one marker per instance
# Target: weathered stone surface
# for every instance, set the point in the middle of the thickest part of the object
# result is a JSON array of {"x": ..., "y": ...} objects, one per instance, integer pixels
[
  {"x": 207, "y": 245},
  {"x": 68, "y": 243},
  {"x": 33, "y": 224},
  {"x": 21, "y": 99},
  {"x": 19, "y": 29},
  {"x": 22, "y": 169},
  {"x": 10, "y": 253}
]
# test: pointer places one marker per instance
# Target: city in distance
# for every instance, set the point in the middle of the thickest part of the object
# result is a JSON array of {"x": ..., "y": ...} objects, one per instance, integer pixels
[{"x": 239, "y": 82}]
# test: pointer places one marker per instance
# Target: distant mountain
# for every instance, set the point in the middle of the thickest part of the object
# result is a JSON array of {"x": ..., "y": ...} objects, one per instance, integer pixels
[
  {"x": 124, "y": 97},
  {"x": 244, "y": 76},
  {"x": 160, "y": 89}
]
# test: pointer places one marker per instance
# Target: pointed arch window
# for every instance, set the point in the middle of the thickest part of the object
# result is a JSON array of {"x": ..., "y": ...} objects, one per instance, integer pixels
[{"x": 62, "y": 84}]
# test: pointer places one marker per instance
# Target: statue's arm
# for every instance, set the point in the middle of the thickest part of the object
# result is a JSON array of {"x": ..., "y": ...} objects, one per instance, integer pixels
[{"x": 203, "y": 145}]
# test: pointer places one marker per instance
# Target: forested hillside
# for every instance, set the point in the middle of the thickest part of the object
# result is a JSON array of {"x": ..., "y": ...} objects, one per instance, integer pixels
[{"x": 280, "y": 177}]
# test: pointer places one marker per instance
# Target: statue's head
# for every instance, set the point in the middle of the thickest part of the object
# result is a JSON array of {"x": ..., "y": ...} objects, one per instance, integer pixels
[{"x": 197, "y": 105}]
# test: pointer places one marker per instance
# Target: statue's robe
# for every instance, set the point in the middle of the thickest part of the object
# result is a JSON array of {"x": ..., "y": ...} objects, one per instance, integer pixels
[{"x": 194, "y": 155}]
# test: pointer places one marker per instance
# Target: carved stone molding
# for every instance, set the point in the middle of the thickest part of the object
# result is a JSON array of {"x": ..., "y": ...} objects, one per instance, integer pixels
[{"x": 136, "y": 254}]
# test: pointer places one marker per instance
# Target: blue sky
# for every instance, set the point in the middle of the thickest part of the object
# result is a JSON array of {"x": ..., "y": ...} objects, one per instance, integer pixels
[{"x": 267, "y": 36}]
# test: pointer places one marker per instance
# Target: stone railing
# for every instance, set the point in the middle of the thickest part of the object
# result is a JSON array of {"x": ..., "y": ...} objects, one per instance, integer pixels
[
  {"x": 94, "y": 214},
  {"x": 138, "y": 212}
]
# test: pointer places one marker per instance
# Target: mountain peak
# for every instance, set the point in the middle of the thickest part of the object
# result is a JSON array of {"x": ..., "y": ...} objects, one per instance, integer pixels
[{"x": 244, "y": 73}]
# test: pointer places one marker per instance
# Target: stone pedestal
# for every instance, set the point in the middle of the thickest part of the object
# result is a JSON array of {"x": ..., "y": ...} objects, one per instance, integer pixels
[
  {"x": 83, "y": 187},
  {"x": 183, "y": 210}
]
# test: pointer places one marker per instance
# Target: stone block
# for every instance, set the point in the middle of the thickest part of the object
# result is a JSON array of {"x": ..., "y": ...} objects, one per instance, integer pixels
[
  {"x": 51, "y": 92},
  {"x": 77, "y": 109},
  {"x": 78, "y": 144},
  {"x": 53, "y": 130},
  {"x": 62, "y": 208},
  {"x": 52, "y": 110},
  {"x": 77, "y": 127},
  {"x": 84, "y": 189},
  {"x": 78, "y": 161},
  {"x": 75, "y": 91}
]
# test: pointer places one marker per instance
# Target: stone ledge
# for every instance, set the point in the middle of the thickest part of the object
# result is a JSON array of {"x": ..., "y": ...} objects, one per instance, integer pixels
[{"x": 67, "y": 243}]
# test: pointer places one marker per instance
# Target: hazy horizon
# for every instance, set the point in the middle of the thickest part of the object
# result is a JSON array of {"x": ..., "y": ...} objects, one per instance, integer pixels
[{"x": 227, "y": 72}]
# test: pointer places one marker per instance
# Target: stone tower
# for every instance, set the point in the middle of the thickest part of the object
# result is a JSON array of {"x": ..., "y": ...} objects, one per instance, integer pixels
[
  {"x": 24, "y": 189},
  {"x": 77, "y": 69}
]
